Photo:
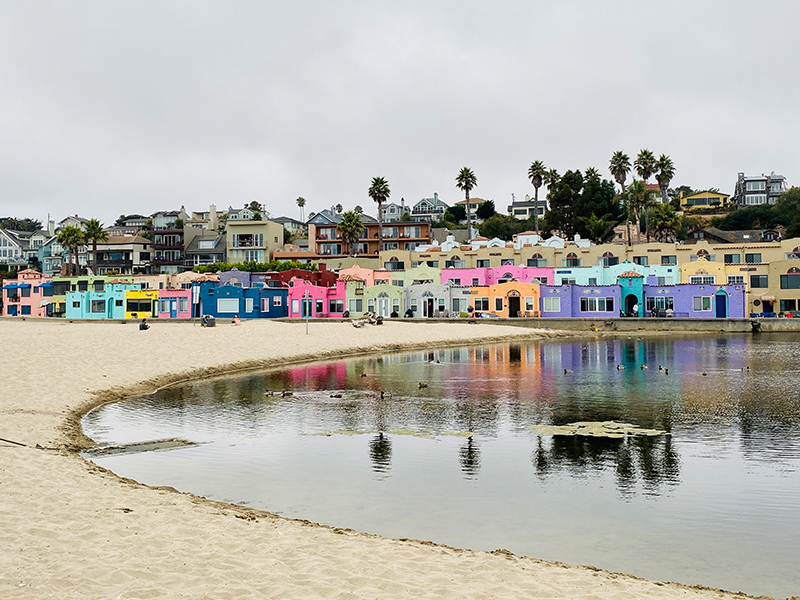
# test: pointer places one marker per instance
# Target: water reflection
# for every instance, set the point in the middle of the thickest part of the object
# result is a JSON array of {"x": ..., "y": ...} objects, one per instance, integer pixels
[{"x": 361, "y": 443}]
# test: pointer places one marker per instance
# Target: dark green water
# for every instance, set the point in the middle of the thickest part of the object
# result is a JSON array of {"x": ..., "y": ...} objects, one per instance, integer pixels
[{"x": 715, "y": 500}]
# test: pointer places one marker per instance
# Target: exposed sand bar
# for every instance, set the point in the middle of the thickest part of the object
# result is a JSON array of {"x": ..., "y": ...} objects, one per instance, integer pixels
[{"x": 71, "y": 530}]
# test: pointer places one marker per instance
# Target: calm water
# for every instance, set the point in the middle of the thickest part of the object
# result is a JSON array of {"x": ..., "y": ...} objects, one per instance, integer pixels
[{"x": 716, "y": 501}]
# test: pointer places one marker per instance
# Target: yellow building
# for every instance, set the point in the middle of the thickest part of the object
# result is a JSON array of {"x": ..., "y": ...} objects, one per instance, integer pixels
[
  {"x": 140, "y": 304},
  {"x": 704, "y": 200}
]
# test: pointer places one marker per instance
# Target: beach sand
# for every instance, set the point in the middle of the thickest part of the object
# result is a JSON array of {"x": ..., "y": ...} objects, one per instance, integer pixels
[{"x": 69, "y": 529}]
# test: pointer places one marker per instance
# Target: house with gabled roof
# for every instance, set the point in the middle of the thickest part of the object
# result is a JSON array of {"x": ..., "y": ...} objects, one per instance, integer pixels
[{"x": 429, "y": 209}]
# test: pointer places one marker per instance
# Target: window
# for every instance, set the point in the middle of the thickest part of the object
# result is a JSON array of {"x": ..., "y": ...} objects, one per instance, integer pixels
[
  {"x": 248, "y": 305},
  {"x": 144, "y": 305},
  {"x": 659, "y": 303},
  {"x": 498, "y": 304},
  {"x": 537, "y": 261},
  {"x": 319, "y": 306},
  {"x": 752, "y": 258},
  {"x": 413, "y": 305},
  {"x": 474, "y": 281},
  {"x": 529, "y": 304},
  {"x": 669, "y": 259},
  {"x": 441, "y": 305},
  {"x": 454, "y": 280},
  {"x": 703, "y": 279},
  {"x": 790, "y": 281},
  {"x": 371, "y": 304},
  {"x": 396, "y": 305},
  {"x": 665, "y": 281},
  {"x": 99, "y": 286},
  {"x": 227, "y": 305},
  {"x": 265, "y": 305},
  {"x": 735, "y": 279},
  {"x": 754, "y": 199},
  {"x": 640, "y": 260},
  {"x": 356, "y": 305},
  {"x": 572, "y": 260},
  {"x": 26, "y": 292},
  {"x": 397, "y": 282},
  {"x": 483, "y": 264},
  {"x": 761, "y": 281},
  {"x": 551, "y": 304},
  {"x": 163, "y": 306},
  {"x": 482, "y": 304},
  {"x": 394, "y": 265},
  {"x": 336, "y": 306},
  {"x": 76, "y": 304},
  {"x": 506, "y": 262},
  {"x": 83, "y": 286},
  {"x": 456, "y": 305},
  {"x": 756, "y": 186},
  {"x": 117, "y": 303},
  {"x": 295, "y": 306},
  {"x": 608, "y": 260},
  {"x": 786, "y": 305},
  {"x": 455, "y": 264},
  {"x": 568, "y": 281},
  {"x": 592, "y": 280},
  {"x": 732, "y": 259},
  {"x": 276, "y": 301},
  {"x": 597, "y": 304},
  {"x": 25, "y": 309},
  {"x": 702, "y": 303}
]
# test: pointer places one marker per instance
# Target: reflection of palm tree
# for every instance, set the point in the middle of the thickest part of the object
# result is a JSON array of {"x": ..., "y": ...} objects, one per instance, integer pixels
[
  {"x": 380, "y": 451},
  {"x": 541, "y": 464},
  {"x": 470, "y": 457}
]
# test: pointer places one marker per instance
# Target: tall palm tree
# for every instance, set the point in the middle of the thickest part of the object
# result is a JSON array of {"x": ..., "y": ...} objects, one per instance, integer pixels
[
  {"x": 70, "y": 238},
  {"x": 301, "y": 202},
  {"x": 600, "y": 229},
  {"x": 350, "y": 228},
  {"x": 665, "y": 171},
  {"x": 379, "y": 192},
  {"x": 645, "y": 164},
  {"x": 536, "y": 173},
  {"x": 592, "y": 173},
  {"x": 93, "y": 233},
  {"x": 620, "y": 166},
  {"x": 664, "y": 222},
  {"x": 466, "y": 181},
  {"x": 339, "y": 208},
  {"x": 640, "y": 201}
]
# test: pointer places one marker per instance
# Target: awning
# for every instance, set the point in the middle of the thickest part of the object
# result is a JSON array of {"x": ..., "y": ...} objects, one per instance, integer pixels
[
  {"x": 47, "y": 284},
  {"x": 10, "y": 286},
  {"x": 24, "y": 286},
  {"x": 768, "y": 298},
  {"x": 45, "y": 302}
]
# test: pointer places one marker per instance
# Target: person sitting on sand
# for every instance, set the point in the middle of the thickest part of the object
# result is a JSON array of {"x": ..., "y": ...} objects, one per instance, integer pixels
[
  {"x": 204, "y": 321},
  {"x": 236, "y": 320},
  {"x": 143, "y": 326}
]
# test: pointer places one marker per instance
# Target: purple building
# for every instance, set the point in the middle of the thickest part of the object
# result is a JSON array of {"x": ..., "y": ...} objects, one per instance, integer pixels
[
  {"x": 568, "y": 301},
  {"x": 694, "y": 301}
]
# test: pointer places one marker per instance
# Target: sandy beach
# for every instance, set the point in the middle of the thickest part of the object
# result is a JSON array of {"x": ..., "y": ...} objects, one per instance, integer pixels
[{"x": 69, "y": 529}]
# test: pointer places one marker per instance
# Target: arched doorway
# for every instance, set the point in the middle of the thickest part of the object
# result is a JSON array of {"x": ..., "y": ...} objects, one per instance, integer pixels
[
  {"x": 630, "y": 301},
  {"x": 721, "y": 305},
  {"x": 513, "y": 304}
]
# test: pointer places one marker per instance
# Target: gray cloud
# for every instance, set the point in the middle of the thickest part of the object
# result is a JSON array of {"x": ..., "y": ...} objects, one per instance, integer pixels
[{"x": 115, "y": 107}]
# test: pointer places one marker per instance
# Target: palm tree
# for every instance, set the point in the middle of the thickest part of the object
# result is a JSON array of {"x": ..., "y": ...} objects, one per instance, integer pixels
[
  {"x": 301, "y": 202},
  {"x": 551, "y": 179},
  {"x": 665, "y": 171},
  {"x": 379, "y": 192},
  {"x": 645, "y": 164},
  {"x": 600, "y": 229},
  {"x": 350, "y": 228},
  {"x": 358, "y": 210},
  {"x": 339, "y": 208},
  {"x": 640, "y": 200},
  {"x": 466, "y": 181},
  {"x": 93, "y": 232},
  {"x": 592, "y": 173},
  {"x": 70, "y": 238},
  {"x": 620, "y": 166},
  {"x": 536, "y": 173},
  {"x": 664, "y": 223}
]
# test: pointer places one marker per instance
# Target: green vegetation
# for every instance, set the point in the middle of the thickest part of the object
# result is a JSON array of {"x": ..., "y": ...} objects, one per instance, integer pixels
[
  {"x": 254, "y": 267},
  {"x": 466, "y": 182},
  {"x": 92, "y": 234},
  {"x": 351, "y": 229},
  {"x": 379, "y": 192},
  {"x": 486, "y": 210},
  {"x": 30, "y": 225},
  {"x": 786, "y": 212}
]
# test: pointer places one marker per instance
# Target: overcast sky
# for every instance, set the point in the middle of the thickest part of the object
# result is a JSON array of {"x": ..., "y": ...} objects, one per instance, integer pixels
[{"x": 132, "y": 107}]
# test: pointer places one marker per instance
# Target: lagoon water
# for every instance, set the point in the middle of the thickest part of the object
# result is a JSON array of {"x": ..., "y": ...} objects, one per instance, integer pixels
[{"x": 714, "y": 500}]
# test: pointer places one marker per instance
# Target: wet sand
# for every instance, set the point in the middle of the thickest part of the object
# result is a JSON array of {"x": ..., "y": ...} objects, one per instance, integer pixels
[{"x": 69, "y": 529}]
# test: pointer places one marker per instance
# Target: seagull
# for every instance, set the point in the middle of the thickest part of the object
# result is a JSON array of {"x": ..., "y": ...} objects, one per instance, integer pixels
[
  {"x": 660, "y": 368},
  {"x": 620, "y": 367},
  {"x": 705, "y": 374},
  {"x": 285, "y": 393},
  {"x": 422, "y": 385},
  {"x": 666, "y": 371},
  {"x": 567, "y": 371},
  {"x": 642, "y": 367}
]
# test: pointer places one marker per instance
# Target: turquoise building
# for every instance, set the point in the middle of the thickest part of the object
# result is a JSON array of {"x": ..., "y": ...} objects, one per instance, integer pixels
[{"x": 105, "y": 303}]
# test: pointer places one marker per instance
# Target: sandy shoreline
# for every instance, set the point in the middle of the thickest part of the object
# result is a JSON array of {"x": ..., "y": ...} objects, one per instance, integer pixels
[{"x": 68, "y": 529}]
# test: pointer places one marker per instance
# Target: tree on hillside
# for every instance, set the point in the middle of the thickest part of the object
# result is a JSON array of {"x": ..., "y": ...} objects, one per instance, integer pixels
[
  {"x": 14, "y": 224},
  {"x": 598, "y": 229},
  {"x": 639, "y": 202},
  {"x": 92, "y": 234},
  {"x": 500, "y": 226},
  {"x": 301, "y": 202},
  {"x": 466, "y": 182},
  {"x": 485, "y": 210},
  {"x": 536, "y": 173},
  {"x": 665, "y": 171},
  {"x": 455, "y": 214},
  {"x": 71, "y": 237},
  {"x": 620, "y": 166},
  {"x": 598, "y": 199},
  {"x": 379, "y": 192},
  {"x": 664, "y": 222},
  {"x": 351, "y": 229},
  {"x": 563, "y": 196}
]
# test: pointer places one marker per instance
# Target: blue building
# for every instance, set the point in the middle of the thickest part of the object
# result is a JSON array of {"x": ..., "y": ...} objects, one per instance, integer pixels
[{"x": 226, "y": 301}]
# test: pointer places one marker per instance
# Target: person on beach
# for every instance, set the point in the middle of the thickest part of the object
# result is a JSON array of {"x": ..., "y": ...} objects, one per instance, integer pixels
[
  {"x": 236, "y": 320},
  {"x": 143, "y": 326},
  {"x": 204, "y": 321}
]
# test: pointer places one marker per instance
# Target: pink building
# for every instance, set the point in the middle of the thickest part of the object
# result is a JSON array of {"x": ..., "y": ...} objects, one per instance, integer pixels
[
  {"x": 496, "y": 275},
  {"x": 309, "y": 300},
  {"x": 174, "y": 304},
  {"x": 356, "y": 273},
  {"x": 28, "y": 296}
]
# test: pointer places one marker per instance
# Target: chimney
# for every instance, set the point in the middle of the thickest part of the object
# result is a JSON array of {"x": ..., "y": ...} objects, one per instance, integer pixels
[
  {"x": 51, "y": 228},
  {"x": 213, "y": 221}
]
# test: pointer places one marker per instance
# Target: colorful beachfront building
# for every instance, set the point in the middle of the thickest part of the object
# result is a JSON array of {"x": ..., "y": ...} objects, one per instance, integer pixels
[
  {"x": 426, "y": 300},
  {"x": 27, "y": 296},
  {"x": 174, "y": 304},
  {"x": 106, "y": 301},
  {"x": 321, "y": 277},
  {"x": 140, "y": 304},
  {"x": 382, "y": 299},
  {"x": 568, "y": 301},
  {"x": 227, "y": 301},
  {"x": 492, "y": 275},
  {"x": 308, "y": 300},
  {"x": 695, "y": 301},
  {"x": 506, "y": 300}
]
